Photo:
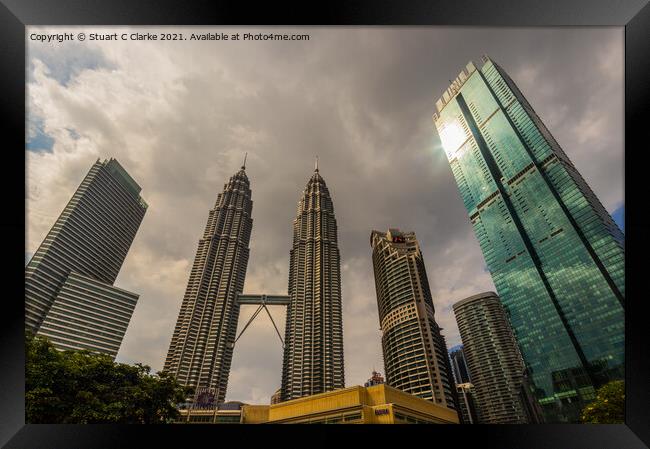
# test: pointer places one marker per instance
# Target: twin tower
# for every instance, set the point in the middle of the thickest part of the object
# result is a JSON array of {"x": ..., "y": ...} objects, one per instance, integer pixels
[{"x": 200, "y": 353}]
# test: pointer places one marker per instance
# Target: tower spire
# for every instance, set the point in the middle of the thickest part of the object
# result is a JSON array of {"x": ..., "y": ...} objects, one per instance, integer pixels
[
  {"x": 316, "y": 167},
  {"x": 243, "y": 167}
]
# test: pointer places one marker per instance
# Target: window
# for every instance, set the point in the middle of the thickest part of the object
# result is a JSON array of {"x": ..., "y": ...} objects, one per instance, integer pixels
[
  {"x": 201, "y": 418},
  {"x": 352, "y": 417}
]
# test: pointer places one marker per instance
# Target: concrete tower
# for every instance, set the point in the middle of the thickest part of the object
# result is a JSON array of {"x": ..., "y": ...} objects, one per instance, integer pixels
[
  {"x": 494, "y": 362},
  {"x": 415, "y": 353}
]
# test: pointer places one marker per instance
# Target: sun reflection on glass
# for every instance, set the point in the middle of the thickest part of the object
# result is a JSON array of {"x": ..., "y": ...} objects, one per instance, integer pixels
[{"x": 452, "y": 136}]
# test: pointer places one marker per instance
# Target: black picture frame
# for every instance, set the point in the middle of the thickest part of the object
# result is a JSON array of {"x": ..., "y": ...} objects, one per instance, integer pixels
[{"x": 634, "y": 15}]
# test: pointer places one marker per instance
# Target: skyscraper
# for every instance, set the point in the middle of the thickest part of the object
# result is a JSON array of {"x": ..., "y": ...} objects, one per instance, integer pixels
[
  {"x": 277, "y": 397},
  {"x": 200, "y": 352},
  {"x": 493, "y": 359},
  {"x": 313, "y": 352},
  {"x": 69, "y": 293},
  {"x": 466, "y": 404},
  {"x": 555, "y": 254},
  {"x": 415, "y": 353},
  {"x": 459, "y": 365}
]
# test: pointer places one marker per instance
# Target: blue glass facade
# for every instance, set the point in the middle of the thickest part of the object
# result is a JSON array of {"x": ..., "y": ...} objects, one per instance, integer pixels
[{"x": 555, "y": 255}]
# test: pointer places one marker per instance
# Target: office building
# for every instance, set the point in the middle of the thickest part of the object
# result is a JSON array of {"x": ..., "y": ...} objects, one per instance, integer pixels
[
  {"x": 459, "y": 365},
  {"x": 277, "y": 397},
  {"x": 494, "y": 362},
  {"x": 200, "y": 352},
  {"x": 415, "y": 353},
  {"x": 466, "y": 404},
  {"x": 555, "y": 255},
  {"x": 69, "y": 292},
  {"x": 313, "y": 351},
  {"x": 378, "y": 404}
]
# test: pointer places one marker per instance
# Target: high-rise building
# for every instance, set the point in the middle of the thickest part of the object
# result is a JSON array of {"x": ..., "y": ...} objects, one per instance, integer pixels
[
  {"x": 415, "y": 353},
  {"x": 555, "y": 255},
  {"x": 459, "y": 365},
  {"x": 69, "y": 293},
  {"x": 466, "y": 405},
  {"x": 200, "y": 352},
  {"x": 313, "y": 352},
  {"x": 375, "y": 379},
  {"x": 494, "y": 362},
  {"x": 277, "y": 397}
]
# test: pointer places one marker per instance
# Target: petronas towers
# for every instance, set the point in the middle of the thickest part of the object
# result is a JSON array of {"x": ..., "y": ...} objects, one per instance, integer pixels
[
  {"x": 201, "y": 349},
  {"x": 200, "y": 352},
  {"x": 313, "y": 352}
]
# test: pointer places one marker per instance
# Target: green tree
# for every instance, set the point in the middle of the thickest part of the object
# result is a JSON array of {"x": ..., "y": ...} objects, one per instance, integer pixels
[
  {"x": 78, "y": 387},
  {"x": 609, "y": 405}
]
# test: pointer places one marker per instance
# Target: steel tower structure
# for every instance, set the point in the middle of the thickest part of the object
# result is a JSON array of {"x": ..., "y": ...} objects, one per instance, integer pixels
[
  {"x": 313, "y": 352},
  {"x": 200, "y": 352}
]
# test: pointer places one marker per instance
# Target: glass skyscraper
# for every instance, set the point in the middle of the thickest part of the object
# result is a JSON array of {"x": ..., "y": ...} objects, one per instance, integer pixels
[
  {"x": 459, "y": 365},
  {"x": 555, "y": 254},
  {"x": 69, "y": 292}
]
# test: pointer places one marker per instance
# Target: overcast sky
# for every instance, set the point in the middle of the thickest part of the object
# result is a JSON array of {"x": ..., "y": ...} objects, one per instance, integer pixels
[{"x": 179, "y": 116}]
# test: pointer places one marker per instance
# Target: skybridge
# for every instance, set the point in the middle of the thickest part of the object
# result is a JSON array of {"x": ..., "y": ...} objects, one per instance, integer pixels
[{"x": 262, "y": 301}]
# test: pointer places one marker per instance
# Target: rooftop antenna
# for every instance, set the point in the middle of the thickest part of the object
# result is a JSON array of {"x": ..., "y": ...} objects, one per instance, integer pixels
[
  {"x": 243, "y": 167},
  {"x": 316, "y": 169}
]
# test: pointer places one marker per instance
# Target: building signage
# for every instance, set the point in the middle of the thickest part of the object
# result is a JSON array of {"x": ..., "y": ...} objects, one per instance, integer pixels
[
  {"x": 381, "y": 411},
  {"x": 204, "y": 398}
]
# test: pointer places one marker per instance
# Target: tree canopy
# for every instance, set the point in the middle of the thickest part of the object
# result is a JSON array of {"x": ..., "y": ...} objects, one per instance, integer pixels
[
  {"x": 79, "y": 387},
  {"x": 609, "y": 405}
]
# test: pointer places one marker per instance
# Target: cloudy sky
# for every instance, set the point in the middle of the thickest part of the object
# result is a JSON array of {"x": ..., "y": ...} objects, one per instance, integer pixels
[{"x": 179, "y": 116}]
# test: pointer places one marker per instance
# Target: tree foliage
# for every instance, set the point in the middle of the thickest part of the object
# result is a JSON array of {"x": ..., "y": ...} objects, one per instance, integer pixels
[
  {"x": 609, "y": 405},
  {"x": 79, "y": 387}
]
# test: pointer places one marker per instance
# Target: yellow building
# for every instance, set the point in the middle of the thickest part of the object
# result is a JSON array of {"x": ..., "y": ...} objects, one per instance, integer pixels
[{"x": 378, "y": 404}]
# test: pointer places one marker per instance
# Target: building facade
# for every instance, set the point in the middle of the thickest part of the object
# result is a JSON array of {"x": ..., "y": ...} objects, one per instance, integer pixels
[
  {"x": 69, "y": 292},
  {"x": 200, "y": 352},
  {"x": 378, "y": 404},
  {"x": 459, "y": 365},
  {"x": 555, "y": 255},
  {"x": 415, "y": 353},
  {"x": 222, "y": 413},
  {"x": 494, "y": 362},
  {"x": 313, "y": 352}
]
